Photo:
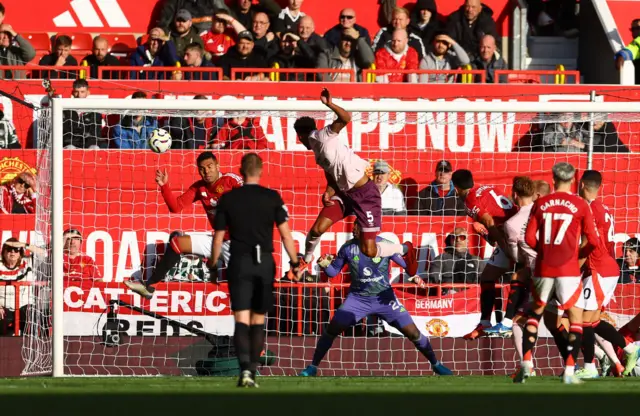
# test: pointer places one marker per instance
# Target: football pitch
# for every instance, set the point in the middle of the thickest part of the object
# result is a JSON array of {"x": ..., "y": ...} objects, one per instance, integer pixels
[{"x": 325, "y": 396}]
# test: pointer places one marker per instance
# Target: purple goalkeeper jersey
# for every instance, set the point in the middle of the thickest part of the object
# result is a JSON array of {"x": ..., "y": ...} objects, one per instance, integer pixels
[{"x": 369, "y": 277}]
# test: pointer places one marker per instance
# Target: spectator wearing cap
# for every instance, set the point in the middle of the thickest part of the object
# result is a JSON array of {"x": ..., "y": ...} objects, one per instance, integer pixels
[
  {"x": 630, "y": 262},
  {"x": 346, "y": 20},
  {"x": 294, "y": 54},
  {"x": 61, "y": 56},
  {"x": 184, "y": 32},
  {"x": 488, "y": 58},
  {"x": 199, "y": 10},
  {"x": 16, "y": 265},
  {"x": 308, "y": 36},
  {"x": 265, "y": 40},
  {"x": 241, "y": 56},
  {"x": 470, "y": 23},
  {"x": 218, "y": 40},
  {"x": 424, "y": 20},
  {"x": 392, "y": 197},
  {"x": 77, "y": 265},
  {"x": 194, "y": 58},
  {"x": 353, "y": 53},
  {"x": 244, "y": 10},
  {"x": 439, "y": 198},
  {"x": 81, "y": 130},
  {"x": 397, "y": 54},
  {"x": 400, "y": 20},
  {"x": 15, "y": 50},
  {"x": 289, "y": 18},
  {"x": 455, "y": 265},
  {"x": 241, "y": 133},
  {"x": 100, "y": 56},
  {"x": 159, "y": 50},
  {"x": 19, "y": 195},
  {"x": 445, "y": 54}
]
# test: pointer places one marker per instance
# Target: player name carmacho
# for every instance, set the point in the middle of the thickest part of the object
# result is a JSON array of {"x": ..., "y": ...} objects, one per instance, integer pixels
[
  {"x": 434, "y": 303},
  {"x": 559, "y": 203}
]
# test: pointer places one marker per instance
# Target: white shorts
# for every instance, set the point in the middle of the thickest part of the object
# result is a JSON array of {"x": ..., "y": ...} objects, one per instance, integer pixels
[
  {"x": 201, "y": 245},
  {"x": 499, "y": 259},
  {"x": 598, "y": 292},
  {"x": 567, "y": 291}
]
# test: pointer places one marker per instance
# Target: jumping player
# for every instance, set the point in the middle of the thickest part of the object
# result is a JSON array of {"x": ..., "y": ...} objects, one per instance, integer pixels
[
  {"x": 555, "y": 226},
  {"x": 349, "y": 190},
  {"x": 370, "y": 294},
  {"x": 208, "y": 191},
  {"x": 489, "y": 207}
]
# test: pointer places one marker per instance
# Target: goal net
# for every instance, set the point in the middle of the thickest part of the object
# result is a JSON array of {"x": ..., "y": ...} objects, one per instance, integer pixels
[{"x": 105, "y": 207}]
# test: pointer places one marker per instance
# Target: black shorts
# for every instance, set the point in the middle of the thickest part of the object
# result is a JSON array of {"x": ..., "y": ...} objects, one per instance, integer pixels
[{"x": 250, "y": 283}]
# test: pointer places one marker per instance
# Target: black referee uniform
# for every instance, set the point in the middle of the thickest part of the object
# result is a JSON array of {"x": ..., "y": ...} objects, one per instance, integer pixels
[{"x": 249, "y": 214}]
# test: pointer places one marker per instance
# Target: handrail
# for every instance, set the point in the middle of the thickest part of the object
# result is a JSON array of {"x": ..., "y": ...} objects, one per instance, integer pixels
[
  {"x": 128, "y": 70},
  {"x": 370, "y": 75},
  {"x": 29, "y": 69},
  {"x": 274, "y": 73}
]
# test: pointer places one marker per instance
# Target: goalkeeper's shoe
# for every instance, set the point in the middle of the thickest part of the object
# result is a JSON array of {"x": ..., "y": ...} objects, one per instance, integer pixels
[
  {"x": 572, "y": 379},
  {"x": 523, "y": 374},
  {"x": 441, "y": 370},
  {"x": 310, "y": 371},
  {"x": 499, "y": 330},
  {"x": 411, "y": 259},
  {"x": 587, "y": 374},
  {"x": 478, "y": 332},
  {"x": 247, "y": 380},
  {"x": 630, "y": 361},
  {"x": 140, "y": 288}
]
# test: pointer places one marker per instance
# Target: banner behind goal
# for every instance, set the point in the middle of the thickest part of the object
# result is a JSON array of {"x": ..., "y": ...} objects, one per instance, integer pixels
[{"x": 95, "y": 325}]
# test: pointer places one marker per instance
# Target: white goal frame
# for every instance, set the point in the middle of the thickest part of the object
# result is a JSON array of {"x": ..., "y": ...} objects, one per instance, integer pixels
[{"x": 57, "y": 163}]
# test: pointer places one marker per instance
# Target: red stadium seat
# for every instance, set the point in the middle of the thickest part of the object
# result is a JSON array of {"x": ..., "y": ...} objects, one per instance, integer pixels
[
  {"x": 39, "y": 41},
  {"x": 522, "y": 78},
  {"x": 119, "y": 43}
]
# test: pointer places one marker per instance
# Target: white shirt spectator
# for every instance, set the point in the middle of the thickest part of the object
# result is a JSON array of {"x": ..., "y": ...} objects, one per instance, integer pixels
[{"x": 392, "y": 197}]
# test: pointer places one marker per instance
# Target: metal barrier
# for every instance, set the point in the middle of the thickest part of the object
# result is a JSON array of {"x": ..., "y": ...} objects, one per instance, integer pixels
[
  {"x": 461, "y": 75},
  {"x": 558, "y": 76},
  {"x": 291, "y": 74},
  {"x": 51, "y": 72},
  {"x": 160, "y": 73}
]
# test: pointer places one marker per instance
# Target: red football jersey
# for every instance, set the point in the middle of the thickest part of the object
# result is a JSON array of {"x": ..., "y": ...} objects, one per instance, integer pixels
[
  {"x": 555, "y": 228},
  {"x": 487, "y": 200},
  {"x": 602, "y": 258},
  {"x": 217, "y": 44},
  {"x": 208, "y": 195},
  {"x": 80, "y": 267}
]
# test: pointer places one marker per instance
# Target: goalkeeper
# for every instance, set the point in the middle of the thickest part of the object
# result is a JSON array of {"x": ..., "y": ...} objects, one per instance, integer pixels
[{"x": 370, "y": 294}]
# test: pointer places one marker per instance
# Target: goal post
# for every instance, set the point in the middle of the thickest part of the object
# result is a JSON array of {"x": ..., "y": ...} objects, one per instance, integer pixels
[{"x": 414, "y": 113}]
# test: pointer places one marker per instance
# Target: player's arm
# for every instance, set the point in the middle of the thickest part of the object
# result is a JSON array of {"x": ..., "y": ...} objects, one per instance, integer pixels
[
  {"x": 590, "y": 234},
  {"x": 282, "y": 222},
  {"x": 495, "y": 234},
  {"x": 220, "y": 223},
  {"x": 511, "y": 236},
  {"x": 175, "y": 204},
  {"x": 344, "y": 117},
  {"x": 337, "y": 263},
  {"x": 531, "y": 234}
]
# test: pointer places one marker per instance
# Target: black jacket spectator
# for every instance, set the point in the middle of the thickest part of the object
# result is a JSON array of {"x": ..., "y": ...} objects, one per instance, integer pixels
[
  {"x": 453, "y": 266},
  {"x": 317, "y": 43},
  {"x": 427, "y": 31},
  {"x": 81, "y": 130},
  {"x": 233, "y": 59},
  {"x": 605, "y": 138},
  {"x": 50, "y": 60},
  {"x": 94, "y": 64},
  {"x": 468, "y": 36},
  {"x": 432, "y": 202},
  {"x": 201, "y": 10},
  {"x": 266, "y": 48},
  {"x": 204, "y": 75},
  {"x": 334, "y": 35},
  {"x": 384, "y": 36},
  {"x": 302, "y": 57},
  {"x": 628, "y": 274},
  {"x": 270, "y": 7}
]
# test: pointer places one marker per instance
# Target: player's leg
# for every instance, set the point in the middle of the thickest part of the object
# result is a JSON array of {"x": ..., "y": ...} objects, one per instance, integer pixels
[
  {"x": 608, "y": 357},
  {"x": 495, "y": 268},
  {"x": 350, "y": 312},
  {"x": 559, "y": 327},
  {"x": 592, "y": 302},
  {"x": 569, "y": 292},
  {"x": 517, "y": 296}
]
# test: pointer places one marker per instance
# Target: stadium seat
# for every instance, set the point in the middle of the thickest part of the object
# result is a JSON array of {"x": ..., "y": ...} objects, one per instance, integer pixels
[
  {"x": 81, "y": 41},
  {"x": 522, "y": 78},
  {"x": 39, "y": 41},
  {"x": 120, "y": 43}
]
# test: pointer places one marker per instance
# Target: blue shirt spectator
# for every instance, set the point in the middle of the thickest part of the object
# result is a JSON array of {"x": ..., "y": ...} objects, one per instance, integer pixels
[
  {"x": 133, "y": 132},
  {"x": 157, "y": 51}
]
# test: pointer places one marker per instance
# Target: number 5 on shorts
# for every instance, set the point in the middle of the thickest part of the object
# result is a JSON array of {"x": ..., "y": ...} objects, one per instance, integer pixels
[{"x": 370, "y": 218}]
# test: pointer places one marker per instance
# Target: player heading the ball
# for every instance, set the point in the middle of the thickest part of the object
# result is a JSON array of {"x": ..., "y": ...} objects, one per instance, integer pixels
[{"x": 349, "y": 190}]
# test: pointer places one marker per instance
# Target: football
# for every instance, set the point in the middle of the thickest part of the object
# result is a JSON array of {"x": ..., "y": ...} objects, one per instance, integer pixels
[{"x": 159, "y": 140}]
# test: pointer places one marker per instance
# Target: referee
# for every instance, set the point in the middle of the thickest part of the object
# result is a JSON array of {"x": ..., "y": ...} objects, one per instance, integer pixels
[{"x": 248, "y": 214}]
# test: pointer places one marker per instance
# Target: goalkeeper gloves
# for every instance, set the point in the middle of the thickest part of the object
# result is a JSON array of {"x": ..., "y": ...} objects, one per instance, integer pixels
[{"x": 325, "y": 261}]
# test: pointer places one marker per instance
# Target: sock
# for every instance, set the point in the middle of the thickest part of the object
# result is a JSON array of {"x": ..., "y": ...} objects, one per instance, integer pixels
[
  {"x": 256, "y": 335},
  {"x": 517, "y": 291},
  {"x": 600, "y": 354},
  {"x": 608, "y": 349},
  {"x": 588, "y": 343},
  {"x": 389, "y": 249},
  {"x": 487, "y": 299},
  {"x": 529, "y": 339},
  {"x": 497, "y": 303},
  {"x": 609, "y": 332},
  {"x": 310, "y": 244},
  {"x": 561, "y": 337},
  {"x": 517, "y": 340},
  {"x": 241, "y": 341},
  {"x": 324, "y": 343},
  {"x": 424, "y": 346},
  {"x": 590, "y": 366},
  {"x": 575, "y": 339},
  {"x": 507, "y": 322},
  {"x": 170, "y": 258}
]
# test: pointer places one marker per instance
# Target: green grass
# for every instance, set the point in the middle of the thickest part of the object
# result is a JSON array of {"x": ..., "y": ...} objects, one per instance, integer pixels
[{"x": 327, "y": 396}]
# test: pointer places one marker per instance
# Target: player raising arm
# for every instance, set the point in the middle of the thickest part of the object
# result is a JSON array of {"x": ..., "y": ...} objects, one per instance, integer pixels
[
  {"x": 557, "y": 222},
  {"x": 349, "y": 189},
  {"x": 370, "y": 294},
  {"x": 489, "y": 207},
  {"x": 208, "y": 191}
]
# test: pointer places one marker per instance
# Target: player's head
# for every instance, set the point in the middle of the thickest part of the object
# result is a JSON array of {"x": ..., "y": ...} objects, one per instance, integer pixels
[
  {"x": 564, "y": 174},
  {"x": 590, "y": 183},
  {"x": 356, "y": 229},
  {"x": 542, "y": 188},
  {"x": 72, "y": 241},
  {"x": 303, "y": 127},
  {"x": 208, "y": 167},
  {"x": 463, "y": 181},
  {"x": 522, "y": 190},
  {"x": 251, "y": 167}
]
